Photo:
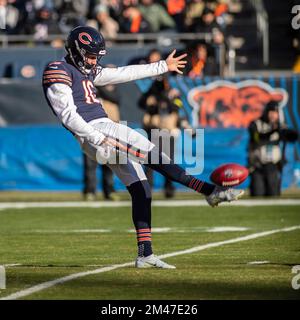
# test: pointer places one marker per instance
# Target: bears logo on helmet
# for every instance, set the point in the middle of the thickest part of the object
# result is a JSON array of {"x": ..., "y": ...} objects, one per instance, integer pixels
[
  {"x": 82, "y": 41},
  {"x": 86, "y": 35}
]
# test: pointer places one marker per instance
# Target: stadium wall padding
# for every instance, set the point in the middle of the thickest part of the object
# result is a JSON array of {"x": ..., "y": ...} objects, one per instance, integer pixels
[
  {"x": 23, "y": 102},
  {"x": 49, "y": 158}
]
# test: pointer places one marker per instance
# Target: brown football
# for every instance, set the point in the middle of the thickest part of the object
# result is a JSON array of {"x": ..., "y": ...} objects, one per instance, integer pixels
[{"x": 229, "y": 175}]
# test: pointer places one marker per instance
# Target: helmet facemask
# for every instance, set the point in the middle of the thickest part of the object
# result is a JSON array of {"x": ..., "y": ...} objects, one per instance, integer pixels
[
  {"x": 82, "y": 43},
  {"x": 80, "y": 59}
]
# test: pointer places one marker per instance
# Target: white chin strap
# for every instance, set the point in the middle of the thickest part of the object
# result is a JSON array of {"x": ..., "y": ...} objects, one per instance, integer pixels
[{"x": 88, "y": 71}]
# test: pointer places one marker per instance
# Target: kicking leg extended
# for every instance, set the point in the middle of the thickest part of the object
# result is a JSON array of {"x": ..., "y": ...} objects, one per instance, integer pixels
[
  {"x": 167, "y": 167},
  {"x": 139, "y": 149}
]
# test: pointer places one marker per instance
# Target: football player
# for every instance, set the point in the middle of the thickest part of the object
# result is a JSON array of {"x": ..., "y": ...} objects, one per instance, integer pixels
[{"x": 69, "y": 87}]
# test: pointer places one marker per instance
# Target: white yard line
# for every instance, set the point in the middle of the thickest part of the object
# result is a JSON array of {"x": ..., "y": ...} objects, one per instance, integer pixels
[
  {"x": 156, "y": 203},
  {"x": 153, "y": 230},
  {"x": 258, "y": 262},
  {"x": 11, "y": 265},
  {"x": 71, "y": 231},
  {"x": 49, "y": 284}
]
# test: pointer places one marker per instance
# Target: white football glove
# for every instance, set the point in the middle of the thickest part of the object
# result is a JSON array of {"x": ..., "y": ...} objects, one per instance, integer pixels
[{"x": 106, "y": 154}]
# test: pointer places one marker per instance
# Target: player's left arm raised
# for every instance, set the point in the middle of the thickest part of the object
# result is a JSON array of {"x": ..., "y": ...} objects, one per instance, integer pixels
[
  {"x": 176, "y": 63},
  {"x": 140, "y": 71}
]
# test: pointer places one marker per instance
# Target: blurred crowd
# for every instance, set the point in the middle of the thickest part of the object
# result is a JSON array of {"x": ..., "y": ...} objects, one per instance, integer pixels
[{"x": 44, "y": 17}]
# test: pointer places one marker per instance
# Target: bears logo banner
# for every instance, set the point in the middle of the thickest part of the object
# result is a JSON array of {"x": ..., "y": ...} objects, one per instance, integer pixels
[{"x": 228, "y": 104}]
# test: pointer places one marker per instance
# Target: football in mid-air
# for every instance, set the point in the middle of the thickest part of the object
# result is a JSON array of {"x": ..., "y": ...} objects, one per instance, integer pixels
[{"x": 229, "y": 175}]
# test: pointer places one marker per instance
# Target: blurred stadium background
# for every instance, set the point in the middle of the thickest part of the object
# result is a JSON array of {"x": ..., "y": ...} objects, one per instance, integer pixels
[
  {"x": 252, "y": 58},
  {"x": 249, "y": 40}
]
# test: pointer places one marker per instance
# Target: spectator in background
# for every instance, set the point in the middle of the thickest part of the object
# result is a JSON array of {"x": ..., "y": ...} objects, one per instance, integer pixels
[
  {"x": 132, "y": 20},
  {"x": 208, "y": 24},
  {"x": 208, "y": 21},
  {"x": 9, "y": 17},
  {"x": 110, "y": 97},
  {"x": 201, "y": 61},
  {"x": 29, "y": 13},
  {"x": 116, "y": 7},
  {"x": 20, "y": 5},
  {"x": 221, "y": 11},
  {"x": 156, "y": 15},
  {"x": 193, "y": 14},
  {"x": 295, "y": 33},
  {"x": 266, "y": 158},
  {"x": 176, "y": 9},
  {"x": 45, "y": 24},
  {"x": 72, "y": 13},
  {"x": 106, "y": 25}
]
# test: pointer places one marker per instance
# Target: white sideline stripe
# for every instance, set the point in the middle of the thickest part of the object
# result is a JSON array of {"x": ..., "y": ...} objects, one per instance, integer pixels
[
  {"x": 226, "y": 229},
  {"x": 156, "y": 203},
  {"x": 64, "y": 204},
  {"x": 73, "y": 231},
  {"x": 153, "y": 230},
  {"x": 49, "y": 284},
  {"x": 258, "y": 262},
  {"x": 11, "y": 265}
]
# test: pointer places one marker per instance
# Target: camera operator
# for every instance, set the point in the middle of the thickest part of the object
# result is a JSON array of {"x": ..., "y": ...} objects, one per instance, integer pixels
[{"x": 266, "y": 153}]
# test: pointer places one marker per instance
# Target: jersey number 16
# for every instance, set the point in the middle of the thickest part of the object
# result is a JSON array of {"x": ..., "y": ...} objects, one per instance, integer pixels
[{"x": 90, "y": 96}]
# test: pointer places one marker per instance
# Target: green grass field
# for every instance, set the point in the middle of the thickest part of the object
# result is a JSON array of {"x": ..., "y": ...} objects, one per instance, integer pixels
[{"x": 50, "y": 243}]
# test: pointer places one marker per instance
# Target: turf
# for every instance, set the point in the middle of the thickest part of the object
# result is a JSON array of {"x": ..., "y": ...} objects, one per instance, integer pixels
[
  {"x": 49, "y": 243},
  {"x": 27, "y": 196}
]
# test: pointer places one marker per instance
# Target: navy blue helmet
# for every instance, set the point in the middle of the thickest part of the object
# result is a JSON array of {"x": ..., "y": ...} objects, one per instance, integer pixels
[{"x": 82, "y": 41}]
